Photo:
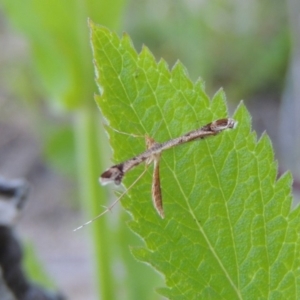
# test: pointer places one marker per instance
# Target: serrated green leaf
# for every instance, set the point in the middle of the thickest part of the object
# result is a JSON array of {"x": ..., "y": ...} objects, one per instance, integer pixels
[{"x": 229, "y": 232}]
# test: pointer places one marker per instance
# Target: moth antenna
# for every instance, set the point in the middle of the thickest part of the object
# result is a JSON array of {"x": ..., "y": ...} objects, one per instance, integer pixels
[
  {"x": 125, "y": 133},
  {"x": 109, "y": 208}
]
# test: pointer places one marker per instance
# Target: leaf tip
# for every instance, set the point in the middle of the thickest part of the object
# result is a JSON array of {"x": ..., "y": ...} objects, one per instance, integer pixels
[
  {"x": 242, "y": 115},
  {"x": 218, "y": 103},
  {"x": 147, "y": 54}
]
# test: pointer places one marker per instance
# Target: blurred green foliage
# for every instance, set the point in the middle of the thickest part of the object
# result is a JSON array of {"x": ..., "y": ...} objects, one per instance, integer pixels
[
  {"x": 34, "y": 269},
  {"x": 61, "y": 140},
  {"x": 58, "y": 35},
  {"x": 242, "y": 46}
]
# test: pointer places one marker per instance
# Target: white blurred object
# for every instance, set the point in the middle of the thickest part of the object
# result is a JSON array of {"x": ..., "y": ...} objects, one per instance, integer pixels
[{"x": 13, "y": 194}]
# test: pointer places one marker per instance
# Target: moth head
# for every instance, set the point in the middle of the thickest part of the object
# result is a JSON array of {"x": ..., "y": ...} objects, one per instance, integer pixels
[
  {"x": 113, "y": 174},
  {"x": 222, "y": 124},
  {"x": 231, "y": 123}
]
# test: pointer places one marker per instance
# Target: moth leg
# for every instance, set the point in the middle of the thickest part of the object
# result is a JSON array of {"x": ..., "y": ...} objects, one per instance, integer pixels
[{"x": 156, "y": 188}]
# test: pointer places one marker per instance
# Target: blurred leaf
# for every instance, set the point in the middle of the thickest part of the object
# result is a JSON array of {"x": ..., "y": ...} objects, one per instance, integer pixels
[
  {"x": 58, "y": 34},
  {"x": 241, "y": 45},
  {"x": 228, "y": 232},
  {"x": 34, "y": 268},
  {"x": 60, "y": 150}
]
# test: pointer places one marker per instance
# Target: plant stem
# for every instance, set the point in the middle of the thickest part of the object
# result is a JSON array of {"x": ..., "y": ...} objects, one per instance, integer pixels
[{"x": 93, "y": 196}]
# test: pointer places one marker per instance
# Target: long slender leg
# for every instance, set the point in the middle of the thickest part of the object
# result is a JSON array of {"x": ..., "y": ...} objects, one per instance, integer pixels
[{"x": 156, "y": 188}]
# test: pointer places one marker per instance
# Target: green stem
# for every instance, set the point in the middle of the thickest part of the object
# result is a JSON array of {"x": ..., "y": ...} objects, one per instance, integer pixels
[{"x": 93, "y": 196}]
